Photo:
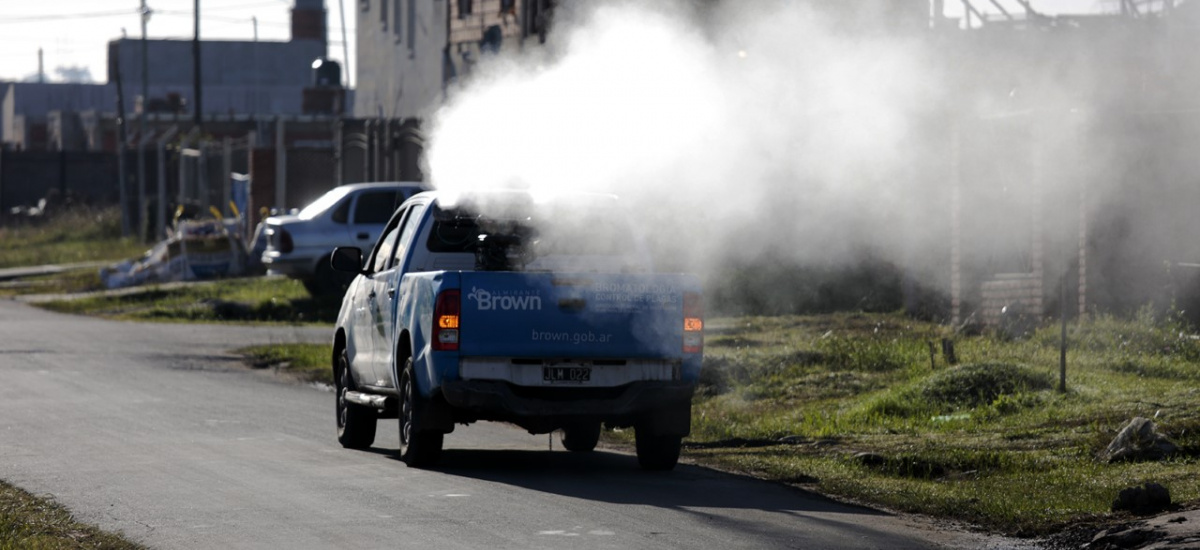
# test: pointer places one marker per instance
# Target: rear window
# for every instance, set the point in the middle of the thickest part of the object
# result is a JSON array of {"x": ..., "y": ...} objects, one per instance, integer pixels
[
  {"x": 459, "y": 236},
  {"x": 376, "y": 207},
  {"x": 549, "y": 230}
]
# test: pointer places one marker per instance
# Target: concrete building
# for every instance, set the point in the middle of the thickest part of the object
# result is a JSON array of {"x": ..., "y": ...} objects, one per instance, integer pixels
[
  {"x": 238, "y": 76},
  {"x": 25, "y": 109},
  {"x": 410, "y": 51},
  {"x": 261, "y": 78}
]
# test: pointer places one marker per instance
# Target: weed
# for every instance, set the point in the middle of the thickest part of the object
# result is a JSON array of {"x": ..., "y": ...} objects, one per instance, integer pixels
[
  {"x": 308, "y": 362},
  {"x": 79, "y": 234},
  {"x": 27, "y": 521}
]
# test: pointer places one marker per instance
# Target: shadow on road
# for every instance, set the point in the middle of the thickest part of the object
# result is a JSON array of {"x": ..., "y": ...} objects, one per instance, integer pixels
[
  {"x": 736, "y": 506},
  {"x": 616, "y": 478}
]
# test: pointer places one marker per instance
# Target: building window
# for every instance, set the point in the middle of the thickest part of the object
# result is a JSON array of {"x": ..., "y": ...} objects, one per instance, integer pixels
[
  {"x": 465, "y": 8},
  {"x": 411, "y": 31},
  {"x": 536, "y": 18},
  {"x": 396, "y": 22},
  {"x": 383, "y": 14},
  {"x": 364, "y": 6}
]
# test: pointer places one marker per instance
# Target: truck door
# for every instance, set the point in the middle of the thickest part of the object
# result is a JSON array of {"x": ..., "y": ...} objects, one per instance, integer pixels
[
  {"x": 386, "y": 286},
  {"x": 366, "y": 304}
]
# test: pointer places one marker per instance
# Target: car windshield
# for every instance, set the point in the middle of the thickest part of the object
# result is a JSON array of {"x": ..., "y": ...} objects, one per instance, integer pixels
[{"x": 321, "y": 205}]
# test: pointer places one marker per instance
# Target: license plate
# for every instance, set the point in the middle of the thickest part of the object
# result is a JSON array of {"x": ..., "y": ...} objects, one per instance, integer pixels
[{"x": 566, "y": 374}]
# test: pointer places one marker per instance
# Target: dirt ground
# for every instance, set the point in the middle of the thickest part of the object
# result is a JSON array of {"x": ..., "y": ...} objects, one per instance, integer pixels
[{"x": 1175, "y": 530}]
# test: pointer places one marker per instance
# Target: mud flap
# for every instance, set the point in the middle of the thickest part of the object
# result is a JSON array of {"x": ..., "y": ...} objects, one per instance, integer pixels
[{"x": 434, "y": 414}]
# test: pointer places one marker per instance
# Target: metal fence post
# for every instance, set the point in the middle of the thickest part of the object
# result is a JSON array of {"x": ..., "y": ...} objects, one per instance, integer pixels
[
  {"x": 182, "y": 190},
  {"x": 161, "y": 218},
  {"x": 203, "y": 185},
  {"x": 143, "y": 222},
  {"x": 280, "y": 166},
  {"x": 226, "y": 173}
]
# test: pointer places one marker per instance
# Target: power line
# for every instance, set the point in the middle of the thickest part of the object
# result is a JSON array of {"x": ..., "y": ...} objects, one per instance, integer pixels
[
  {"x": 118, "y": 13},
  {"x": 58, "y": 16},
  {"x": 188, "y": 14},
  {"x": 240, "y": 6}
]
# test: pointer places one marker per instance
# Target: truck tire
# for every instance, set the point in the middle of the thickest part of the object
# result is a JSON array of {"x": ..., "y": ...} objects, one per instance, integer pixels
[
  {"x": 355, "y": 423},
  {"x": 655, "y": 451},
  {"x": 582, "y": 437},
  {"x": 418, "y": 448}
]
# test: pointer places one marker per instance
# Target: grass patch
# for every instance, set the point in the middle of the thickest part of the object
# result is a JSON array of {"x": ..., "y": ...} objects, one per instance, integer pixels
[
  {"x": 307, "y": 362},
  {"x": 27, "y": 521},
  {"x": 245, "y": 300},
  {"x": 853, "y": 406},
  {"x": 77, "y": 235},
  {"x": 72, "y": 281}
]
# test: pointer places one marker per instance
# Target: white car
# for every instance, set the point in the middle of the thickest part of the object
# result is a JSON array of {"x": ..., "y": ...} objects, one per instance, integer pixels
[{"x": 349, "y": 215}]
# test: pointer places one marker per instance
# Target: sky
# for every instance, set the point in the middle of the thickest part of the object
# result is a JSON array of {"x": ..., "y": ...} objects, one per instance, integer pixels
[{"x": 74, "y": 33}]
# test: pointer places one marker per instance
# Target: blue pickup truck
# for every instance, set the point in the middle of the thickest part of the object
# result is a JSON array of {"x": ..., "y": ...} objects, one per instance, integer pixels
[{"x": 532, "y": 309}]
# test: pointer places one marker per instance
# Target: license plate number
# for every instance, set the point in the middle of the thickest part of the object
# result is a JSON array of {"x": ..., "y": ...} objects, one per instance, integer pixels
[{"x": 566, "y": 374}]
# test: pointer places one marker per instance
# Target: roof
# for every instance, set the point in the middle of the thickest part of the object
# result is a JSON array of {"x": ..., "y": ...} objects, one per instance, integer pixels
[
  {"x": 502, "y": 202},
  {"x": 383, "y": 185}
]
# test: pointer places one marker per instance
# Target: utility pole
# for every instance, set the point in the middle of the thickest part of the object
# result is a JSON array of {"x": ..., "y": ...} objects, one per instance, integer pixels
[
  {"x": 121, "y": 192},
  {"x": 346, "y": 42},
  {"x": 141, "y": 154},
  {"x": 196, "y": 64},
  {"x": 145, "y": 58},
  {"x": 257, "y": 75}
]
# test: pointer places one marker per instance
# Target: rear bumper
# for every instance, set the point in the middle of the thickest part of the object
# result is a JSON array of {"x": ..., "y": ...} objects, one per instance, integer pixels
[{"x": 502, "y": 401}]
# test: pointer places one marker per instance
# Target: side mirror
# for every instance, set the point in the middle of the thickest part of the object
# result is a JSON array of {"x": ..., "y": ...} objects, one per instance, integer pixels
[{"x": 347, "y": 258}]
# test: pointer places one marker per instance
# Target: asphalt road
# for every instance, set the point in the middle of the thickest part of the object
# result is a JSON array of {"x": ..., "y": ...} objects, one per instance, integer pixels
[{"x": 156, "y": 431}]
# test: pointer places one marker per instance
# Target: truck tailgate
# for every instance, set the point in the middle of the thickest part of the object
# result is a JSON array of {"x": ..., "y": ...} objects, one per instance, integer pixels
[{"x": 558, "y": 315}]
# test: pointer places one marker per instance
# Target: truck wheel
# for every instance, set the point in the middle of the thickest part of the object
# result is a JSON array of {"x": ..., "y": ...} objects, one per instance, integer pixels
[
  {"x": 582, "y": 437},
  {"x": 657, "y": 451},
  {"x": 355, "y": 423},
  {"x": 418, "y": 448}
]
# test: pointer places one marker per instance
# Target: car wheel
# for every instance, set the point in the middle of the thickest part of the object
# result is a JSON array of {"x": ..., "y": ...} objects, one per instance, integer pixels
[
  {"x": 656, "y": 451},
  {"x": 355, "y": 423},
  {"x": 418, "y": 448},
  {"x": 581, "y": 437}
]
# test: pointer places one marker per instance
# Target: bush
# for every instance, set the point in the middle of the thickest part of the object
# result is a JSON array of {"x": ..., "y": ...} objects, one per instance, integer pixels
[
  {"x": 1145, "y": 335},
  {"x": 981, "y": 384},
  {"x": 870, "y": 353}
]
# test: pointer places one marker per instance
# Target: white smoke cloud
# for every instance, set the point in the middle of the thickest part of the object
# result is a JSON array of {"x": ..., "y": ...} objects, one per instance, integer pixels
[
  {"x": 742, "y": 132},
  {"x": 760, "y": 117}
]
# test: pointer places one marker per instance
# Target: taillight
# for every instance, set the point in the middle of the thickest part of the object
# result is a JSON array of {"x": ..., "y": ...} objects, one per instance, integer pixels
[
  {"x": 285, "y": 241},
  {"x": 445, "y": 321},
  {"x": 693, "y": 323}
]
